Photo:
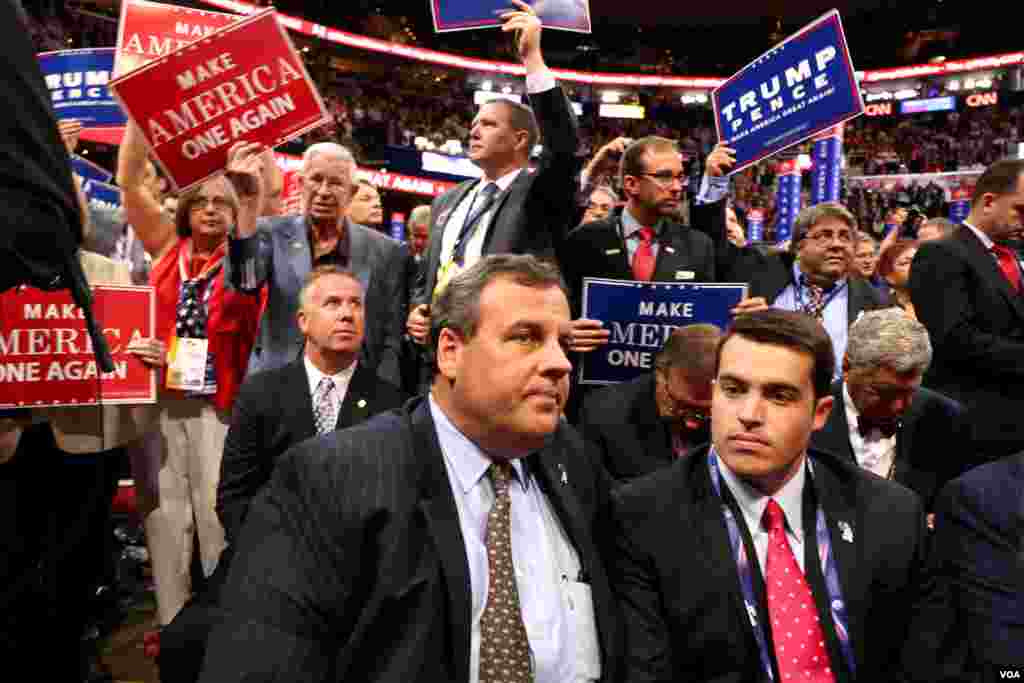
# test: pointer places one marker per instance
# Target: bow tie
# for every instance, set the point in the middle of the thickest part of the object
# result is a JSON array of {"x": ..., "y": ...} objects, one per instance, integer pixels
[{"x": 888, "y": 427}]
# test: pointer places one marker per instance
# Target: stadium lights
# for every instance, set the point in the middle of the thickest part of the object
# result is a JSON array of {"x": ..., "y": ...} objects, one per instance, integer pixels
[
  {"x": 486, "y": 85},
  {"x": 611, "y": 97},
  {"x": 905, "y": 94}
]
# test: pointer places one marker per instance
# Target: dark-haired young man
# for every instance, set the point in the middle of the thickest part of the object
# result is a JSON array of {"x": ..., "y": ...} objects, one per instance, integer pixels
[{"x": 757, "y": 559}]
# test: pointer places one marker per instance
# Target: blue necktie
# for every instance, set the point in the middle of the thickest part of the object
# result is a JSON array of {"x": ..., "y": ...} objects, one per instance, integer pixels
[{"x": 487, "y": 196}]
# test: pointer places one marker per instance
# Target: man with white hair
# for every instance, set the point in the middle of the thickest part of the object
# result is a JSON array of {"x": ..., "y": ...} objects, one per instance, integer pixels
[
  {"x": 884, "y": 420},
  {"x": 284, "y": 249}
]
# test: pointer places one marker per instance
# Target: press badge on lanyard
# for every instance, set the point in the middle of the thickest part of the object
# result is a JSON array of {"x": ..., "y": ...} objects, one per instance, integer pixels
[{"x": 189, "y": 361}]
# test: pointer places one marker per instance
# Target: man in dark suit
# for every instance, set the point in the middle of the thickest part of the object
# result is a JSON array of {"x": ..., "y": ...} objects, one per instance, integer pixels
[
  {"x": 283, "y": 250},
  {"x": 512, "y": 209},
  {"x": 780, "y": 563},
  {"x": 449, "y": 541},
  {"x": 639, "y": 426},
  {"x": 883, "y": 420},
  {"x": 274, "y": 411},
  {"x": 966, "y": 290},
  {"x": 816, "y": 275},
  {"x": 973, "y": 624},
  {"x": 279, "y": 408}
]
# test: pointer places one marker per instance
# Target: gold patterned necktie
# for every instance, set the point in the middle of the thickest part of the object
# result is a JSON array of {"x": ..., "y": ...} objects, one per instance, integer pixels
[{"x": 504, "y": 647}]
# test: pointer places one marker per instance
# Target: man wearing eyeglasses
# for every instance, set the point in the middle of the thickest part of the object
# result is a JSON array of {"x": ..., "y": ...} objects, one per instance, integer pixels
[
  {"x": 816, "y": 274},
  {"x": 643, "y": 425},
  {"x": 883, "y": 420}
]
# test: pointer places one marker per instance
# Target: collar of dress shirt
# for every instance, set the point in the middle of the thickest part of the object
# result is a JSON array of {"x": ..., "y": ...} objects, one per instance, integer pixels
[
  {"x": 314, "y": 374},
  {"x": 503, "y": 182},
  {"x": 752, "y": 502},
  {"x": 631, "y": 225},
  {"x": 464, "y": 457},
  {"x": 985, "y": 239},
  {"x": 797, "y": 274},
  {"x": 852, "y": 417}
]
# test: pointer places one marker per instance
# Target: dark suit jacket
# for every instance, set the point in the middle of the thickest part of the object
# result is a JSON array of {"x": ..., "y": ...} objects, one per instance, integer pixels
[
  {"x": 973, "y": 622},
  {"x": 932, "y": 447},
  {"x": 976, "y": 325},
  {"x": 621, "y": 426},
  {"x": 352, "y": 565},
  {"x": 679, "y": 589},
  {"x": 769, "y": 273},
  {"x": 535, "y": 212},
  {"x": 273, "y": 412},
  {"x": 597, "y": 250},
  {"x": 279, "y": 255}
]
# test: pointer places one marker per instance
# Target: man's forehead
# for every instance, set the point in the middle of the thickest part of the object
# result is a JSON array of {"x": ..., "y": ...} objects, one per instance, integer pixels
[
  {"x": 328, "y": 164},
  {"x": 789, "y": 367}
]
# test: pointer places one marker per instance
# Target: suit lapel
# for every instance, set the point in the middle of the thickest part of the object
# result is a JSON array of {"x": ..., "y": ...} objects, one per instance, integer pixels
[
  {"x": 671, "y": 254},
  {"x": 610, "y": 249},
  {"x": 834, "y": 437},
  {"x": 986, "y": 264},
  {"x": 502, "y": 224},
  {"x": 442, "y": 517},
  {"x": 298, "y": 413},
  {"x": 359, "y": 253},
  {"x": 297, "y": 251},
  {"x": 856, "y": 300},
  {"x": 844, "y": 521},
  {"x": 358, "y": 399},
  {"x": 902, "y": 466},
  {"x": 437, "y": 230}
]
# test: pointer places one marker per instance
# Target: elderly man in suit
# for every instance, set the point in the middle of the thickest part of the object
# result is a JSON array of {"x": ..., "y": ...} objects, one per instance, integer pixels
[
  {"x": 281, "y": 251},
  {"x": 883, "y": 420},
  {"x": 512, "y": 208},
  {"x": 455, "y": 540},
  {"x": 779, "y": 563},
  {"x": 966, "y": 289},
  {"x": 639, "y": 426}
]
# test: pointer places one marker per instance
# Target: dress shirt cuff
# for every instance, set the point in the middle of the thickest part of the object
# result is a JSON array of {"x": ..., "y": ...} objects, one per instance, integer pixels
[
  {"x": 539, "y": 82},
  {"x": 712, "y": 189}
]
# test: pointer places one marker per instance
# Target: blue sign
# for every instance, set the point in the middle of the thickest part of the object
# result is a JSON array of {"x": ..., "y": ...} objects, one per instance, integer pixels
[
  {"x": 90, "y": 171},
  {"x": 77, "y": 80},
  {"x": 959, "y": 210},
  {"x": 462, "y": 15},
  {"x": 825, "y": 180},
  {"x": 642, "y": 315},
  {"x": 800, "y": 87},
  {"x": 102, "y": 195},
  {"x": 755, "y": 225},
  {"x": 933, "y": 104},
  {"x": 788, "y": 203}
]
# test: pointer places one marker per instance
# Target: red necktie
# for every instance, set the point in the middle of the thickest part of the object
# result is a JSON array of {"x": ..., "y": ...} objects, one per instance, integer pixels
[
  {"x": 643, "y": 257},
  {"x": 1008, "y": 264},
  {"x": 799, "y": 641}
]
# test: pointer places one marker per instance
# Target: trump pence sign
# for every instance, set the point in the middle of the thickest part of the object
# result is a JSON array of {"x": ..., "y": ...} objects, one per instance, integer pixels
[{"x": 243, "y": 82}]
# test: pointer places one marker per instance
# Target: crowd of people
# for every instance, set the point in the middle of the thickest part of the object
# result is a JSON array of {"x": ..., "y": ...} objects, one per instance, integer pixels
[{"x": 387, "y": 469}]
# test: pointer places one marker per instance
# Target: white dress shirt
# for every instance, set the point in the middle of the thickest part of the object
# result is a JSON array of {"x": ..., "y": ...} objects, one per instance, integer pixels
[
  {"x": 545, "y": 563},
  {"x": 452, "y": 228},
  {"x": 341, "y": 382},
  {"x": 752, "y": 504},
  {"x": 876, "y": 452}
]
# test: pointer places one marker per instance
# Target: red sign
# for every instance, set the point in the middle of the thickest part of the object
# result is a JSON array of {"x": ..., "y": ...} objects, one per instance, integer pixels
[
  {"x": 46, "y": 355},
  {"x": 243, "y": 82},
  {"x": 983, "y": 99},
  {"x": 149, "y": 30},
  {"x": 405, "y": 183}
]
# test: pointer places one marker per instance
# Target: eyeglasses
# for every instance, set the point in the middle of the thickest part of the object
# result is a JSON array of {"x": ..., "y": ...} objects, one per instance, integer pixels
[
  {"x": 827, "y": 236},
  {"x": 666, "y": 178},
  {"x": 682, "y": 409},
  {"x": 219, "y": 203}
]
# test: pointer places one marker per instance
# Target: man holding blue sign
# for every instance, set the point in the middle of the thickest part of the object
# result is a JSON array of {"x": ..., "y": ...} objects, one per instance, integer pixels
[{"x": 758, "y": 559}]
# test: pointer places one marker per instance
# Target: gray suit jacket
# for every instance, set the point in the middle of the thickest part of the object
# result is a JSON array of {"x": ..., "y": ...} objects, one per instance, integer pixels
[
  {"x": 279, "y": 255},
  {"x": 535, "y": 213}
]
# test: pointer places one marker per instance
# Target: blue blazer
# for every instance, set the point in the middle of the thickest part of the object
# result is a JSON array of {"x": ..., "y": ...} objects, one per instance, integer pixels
[{"x": 280, "y": 256}]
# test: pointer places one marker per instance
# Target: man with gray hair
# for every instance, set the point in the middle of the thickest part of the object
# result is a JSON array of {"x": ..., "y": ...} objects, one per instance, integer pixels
[
  {"x": 883, "y": 419},
  {"x": 283, "y": 250}
]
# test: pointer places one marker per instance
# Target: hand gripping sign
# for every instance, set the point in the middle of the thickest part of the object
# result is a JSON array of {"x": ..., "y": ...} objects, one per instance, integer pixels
[{"x": 243, "y": 82}]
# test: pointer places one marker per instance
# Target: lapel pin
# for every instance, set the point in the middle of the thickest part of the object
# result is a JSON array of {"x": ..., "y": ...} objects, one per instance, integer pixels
[
  {"x": 612, "y": 252},
  {"x": 670, "y": 250},
  {"x": 846, "y": 531},
  {"x": 564, "y": 478},
  {"x": 296, "y": 245},
  {"x": 361, "y": 403}
]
